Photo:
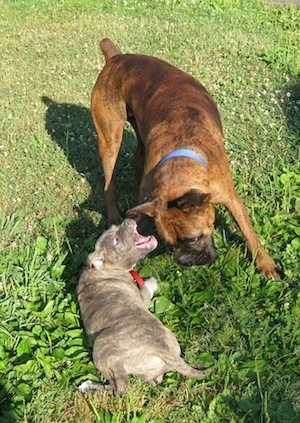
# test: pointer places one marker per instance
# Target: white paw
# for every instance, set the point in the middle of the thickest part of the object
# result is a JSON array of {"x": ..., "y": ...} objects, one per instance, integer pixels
[
  {"x": 89, "y": 386},
  {"x": 152, "y": 285}
]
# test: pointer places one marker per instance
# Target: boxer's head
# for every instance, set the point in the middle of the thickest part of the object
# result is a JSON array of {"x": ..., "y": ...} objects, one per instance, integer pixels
[{"x": 185, "y": 223}]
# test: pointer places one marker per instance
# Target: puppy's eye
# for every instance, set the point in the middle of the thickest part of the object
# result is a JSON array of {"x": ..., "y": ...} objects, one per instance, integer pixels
[{"x": 115, "y": 241}]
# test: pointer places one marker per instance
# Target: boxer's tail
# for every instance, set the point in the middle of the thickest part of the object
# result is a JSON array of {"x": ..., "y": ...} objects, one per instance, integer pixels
[{"x": 109, "y": 49}]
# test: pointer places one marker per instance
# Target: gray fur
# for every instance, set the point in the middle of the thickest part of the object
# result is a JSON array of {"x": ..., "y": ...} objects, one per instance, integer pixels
[{"x": 127, "y": 338}]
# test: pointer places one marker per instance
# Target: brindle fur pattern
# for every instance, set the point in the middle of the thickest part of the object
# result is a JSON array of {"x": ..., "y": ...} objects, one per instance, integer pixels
[
  {"x": 127, "y": 338},
  {"x": 169, "y": 110}
]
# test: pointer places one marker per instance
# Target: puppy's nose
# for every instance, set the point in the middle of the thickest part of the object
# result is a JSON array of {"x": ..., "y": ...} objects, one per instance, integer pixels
[{"x": 129, "y": 222}]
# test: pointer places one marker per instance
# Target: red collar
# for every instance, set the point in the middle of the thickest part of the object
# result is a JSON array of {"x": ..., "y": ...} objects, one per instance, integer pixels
[{"x": 138, "y": 279}]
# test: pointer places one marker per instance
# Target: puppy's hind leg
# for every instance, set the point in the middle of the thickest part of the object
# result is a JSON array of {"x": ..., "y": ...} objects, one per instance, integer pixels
[
  {"x": 117, "y": 384},
  {"x": 157, "y": 380},
  {"x": 90, "y": 386},
  {"x": 118, "y": 380}
]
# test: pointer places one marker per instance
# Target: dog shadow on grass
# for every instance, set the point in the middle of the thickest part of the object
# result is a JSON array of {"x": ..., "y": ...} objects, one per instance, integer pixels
[
  {"x": 291, "y": 109},
  {"x": 70, "y": 126}
]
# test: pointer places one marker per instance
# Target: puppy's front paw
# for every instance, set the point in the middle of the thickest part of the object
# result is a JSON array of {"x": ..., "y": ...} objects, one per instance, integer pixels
[{"x": 152, "y": 285}]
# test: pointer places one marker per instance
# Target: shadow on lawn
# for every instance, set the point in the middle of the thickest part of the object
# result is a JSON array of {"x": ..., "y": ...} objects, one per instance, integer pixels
[
  {"x": 292, "y": 111},
  {"x": 71, "y": 128}
]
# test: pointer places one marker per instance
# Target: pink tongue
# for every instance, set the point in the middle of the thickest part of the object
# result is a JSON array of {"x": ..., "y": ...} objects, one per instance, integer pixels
[{"x": 140, "y": 240}]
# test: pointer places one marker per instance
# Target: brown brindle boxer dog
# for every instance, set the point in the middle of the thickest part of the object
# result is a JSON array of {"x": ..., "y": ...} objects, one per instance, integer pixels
[{"x": 180, "y": 157}]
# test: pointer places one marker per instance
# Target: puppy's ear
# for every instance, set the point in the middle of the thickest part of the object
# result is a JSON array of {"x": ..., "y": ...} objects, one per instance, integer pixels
[
  {"x": 96, "y": 260},
  {"x": 190, "y": 201},
  {"x": 149, "y": 209}
]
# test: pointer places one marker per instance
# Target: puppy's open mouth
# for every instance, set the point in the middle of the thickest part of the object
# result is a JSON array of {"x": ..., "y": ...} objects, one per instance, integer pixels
[
  {"x": 144, "y": 241},
  {"x": 141, "y": 241}
]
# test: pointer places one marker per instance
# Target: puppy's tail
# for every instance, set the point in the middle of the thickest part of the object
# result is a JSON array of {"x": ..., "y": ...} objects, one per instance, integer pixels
[
  {"x": 109, "y": 49},
  {"x": 184, "y": 369}
]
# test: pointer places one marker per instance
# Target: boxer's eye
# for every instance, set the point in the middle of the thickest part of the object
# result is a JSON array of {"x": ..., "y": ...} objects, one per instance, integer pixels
[{"x": 190, "y": 241}]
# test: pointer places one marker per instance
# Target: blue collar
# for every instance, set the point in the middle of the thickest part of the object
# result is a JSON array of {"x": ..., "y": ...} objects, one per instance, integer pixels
[{"x": 182, "y": 152}]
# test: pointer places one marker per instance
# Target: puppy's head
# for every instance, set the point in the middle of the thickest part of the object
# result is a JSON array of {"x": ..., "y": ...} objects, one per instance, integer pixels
[
  {"x": 120, "y": 247},
  {"x": 186, "y": 224}
]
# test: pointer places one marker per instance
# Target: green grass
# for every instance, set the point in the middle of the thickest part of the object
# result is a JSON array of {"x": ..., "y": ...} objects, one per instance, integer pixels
[{"x": 52, "y": 210}]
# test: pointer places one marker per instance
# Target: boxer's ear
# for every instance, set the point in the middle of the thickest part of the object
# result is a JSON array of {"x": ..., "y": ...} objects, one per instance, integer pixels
[
  {"x": 190, "y": 201},
  {"x": 149, "y": 209},
  {"x": 96, "y": 260}
]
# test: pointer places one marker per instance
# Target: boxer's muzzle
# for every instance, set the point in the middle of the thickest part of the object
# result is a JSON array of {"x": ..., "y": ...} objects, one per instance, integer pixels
[{"x": 188, "y": 255}]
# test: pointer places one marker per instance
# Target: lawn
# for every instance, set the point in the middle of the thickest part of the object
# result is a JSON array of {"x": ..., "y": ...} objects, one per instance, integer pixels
[{"x": 52, "y": 210}]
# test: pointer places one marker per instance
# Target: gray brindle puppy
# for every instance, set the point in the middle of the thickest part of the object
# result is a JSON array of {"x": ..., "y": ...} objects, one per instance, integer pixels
[{"x": 127, "y": 338}]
